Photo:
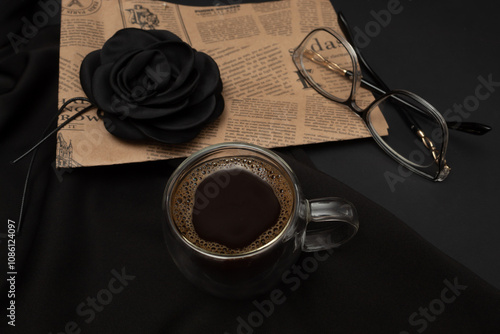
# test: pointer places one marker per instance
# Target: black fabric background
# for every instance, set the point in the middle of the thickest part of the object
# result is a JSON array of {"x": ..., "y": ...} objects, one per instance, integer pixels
[{"x": 83, "y": 226}]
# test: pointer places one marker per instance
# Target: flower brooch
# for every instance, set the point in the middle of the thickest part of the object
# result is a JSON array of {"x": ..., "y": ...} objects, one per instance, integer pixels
[{"x": 149, "y": 84}]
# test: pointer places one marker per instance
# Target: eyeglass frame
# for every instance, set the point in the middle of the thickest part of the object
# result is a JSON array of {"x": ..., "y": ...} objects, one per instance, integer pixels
[{"x": 363, "y": 113}]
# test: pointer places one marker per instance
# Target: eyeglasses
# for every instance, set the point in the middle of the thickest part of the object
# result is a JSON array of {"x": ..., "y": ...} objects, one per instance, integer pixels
[{"x": 416, "y": 135}]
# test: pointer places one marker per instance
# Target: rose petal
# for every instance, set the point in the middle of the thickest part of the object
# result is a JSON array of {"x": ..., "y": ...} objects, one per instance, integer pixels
[
  {"x": 180, "y": 57},
  {"x": 219, "y": 103},
  {"x": 130, "y": 129},
  {"x": 182, "y": 93},
  {"x": 124, "y": 41},
  {"x": 141, "y": 111},
  {"x": 136, "y": 77},
  {"x": 89, "y": 65},
  {"x": 101, "y": 89},
  {"x": 116, "y": 80},
  {"x": 209, "y": 77},
  {"x": 159, "y": 72},
  {"x": 187, "y": 118},
  {"x": 168, "y": 136},
  {"x": 122, "y": 128}
]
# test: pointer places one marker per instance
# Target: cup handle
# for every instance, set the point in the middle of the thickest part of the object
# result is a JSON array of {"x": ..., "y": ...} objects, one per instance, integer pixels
[{"x": 332, "y": 221}]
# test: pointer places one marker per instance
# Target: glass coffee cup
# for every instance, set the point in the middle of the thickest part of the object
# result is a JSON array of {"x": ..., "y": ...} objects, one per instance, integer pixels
[{"x": 236, "y": 219}]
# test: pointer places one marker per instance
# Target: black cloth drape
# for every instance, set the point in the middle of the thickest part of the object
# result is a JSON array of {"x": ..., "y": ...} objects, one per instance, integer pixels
[{"x": 92, "y": 258}]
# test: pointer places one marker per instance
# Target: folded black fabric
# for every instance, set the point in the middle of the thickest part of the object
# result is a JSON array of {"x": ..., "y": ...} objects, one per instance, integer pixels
[{"x": 92, "y": 258}]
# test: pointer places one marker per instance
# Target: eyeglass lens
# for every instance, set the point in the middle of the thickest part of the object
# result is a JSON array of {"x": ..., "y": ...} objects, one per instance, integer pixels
[
  {"x": 327, "y": 63},
  {"x": 414, "y": 133}
]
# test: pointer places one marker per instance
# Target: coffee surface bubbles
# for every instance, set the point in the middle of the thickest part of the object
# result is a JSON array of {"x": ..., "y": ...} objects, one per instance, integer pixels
[{"x": 232, "y": 206}]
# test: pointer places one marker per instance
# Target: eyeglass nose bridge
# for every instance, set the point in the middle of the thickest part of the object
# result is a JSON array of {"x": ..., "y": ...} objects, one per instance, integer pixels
[
  {"x": 351, "y": 102},
  {"x": 353, "y": 106}
]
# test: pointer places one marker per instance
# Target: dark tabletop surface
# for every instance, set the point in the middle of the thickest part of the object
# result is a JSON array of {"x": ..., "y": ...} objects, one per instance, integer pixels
[{"x": 446, "y": 51}]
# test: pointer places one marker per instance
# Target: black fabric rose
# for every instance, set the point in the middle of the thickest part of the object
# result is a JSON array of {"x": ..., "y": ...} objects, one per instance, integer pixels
[{"x": 150, "y": 84}]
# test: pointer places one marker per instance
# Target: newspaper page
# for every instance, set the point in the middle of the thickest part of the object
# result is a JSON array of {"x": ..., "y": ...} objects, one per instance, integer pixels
[{"x": 266, "y": 102}]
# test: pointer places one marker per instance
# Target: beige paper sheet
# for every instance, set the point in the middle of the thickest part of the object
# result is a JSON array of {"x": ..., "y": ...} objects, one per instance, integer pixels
[{"x": 266, "y": 102}]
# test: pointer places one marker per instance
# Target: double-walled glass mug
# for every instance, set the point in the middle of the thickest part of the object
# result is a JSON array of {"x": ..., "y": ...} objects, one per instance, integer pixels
[{"x": 236, "y": 219}]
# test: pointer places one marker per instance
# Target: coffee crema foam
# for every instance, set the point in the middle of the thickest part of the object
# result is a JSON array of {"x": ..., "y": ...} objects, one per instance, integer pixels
[{"x": 182, "y": 200}]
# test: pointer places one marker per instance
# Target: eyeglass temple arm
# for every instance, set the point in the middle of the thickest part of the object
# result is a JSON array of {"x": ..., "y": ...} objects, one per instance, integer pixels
[
  {"x": 412, "y": 124},
  {"x": 320, "y": 60},
  {"x": 467, "y": 127}
]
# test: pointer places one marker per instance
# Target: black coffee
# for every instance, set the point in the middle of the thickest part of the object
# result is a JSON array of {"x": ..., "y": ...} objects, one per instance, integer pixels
[
  {"x": 232, "y": 205},
  {"x": 234, "y": 213}
]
